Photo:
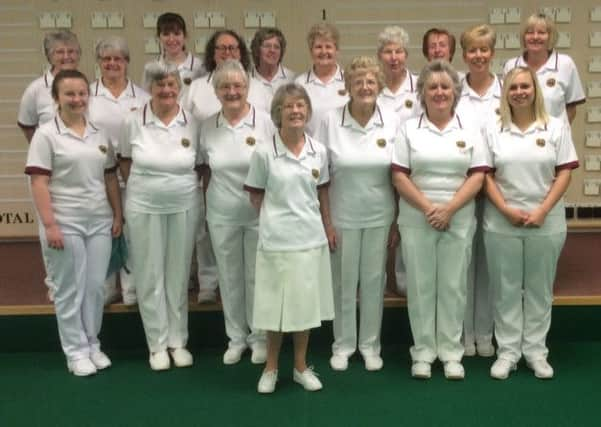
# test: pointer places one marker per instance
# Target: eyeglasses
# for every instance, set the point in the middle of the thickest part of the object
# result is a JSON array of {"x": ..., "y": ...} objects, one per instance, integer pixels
[
  {"x": 274, "y": 46},
  {"x": 231, "y": 48},
  {"x": 226, "y": 87},
  {"x": 115, "y": 59}
]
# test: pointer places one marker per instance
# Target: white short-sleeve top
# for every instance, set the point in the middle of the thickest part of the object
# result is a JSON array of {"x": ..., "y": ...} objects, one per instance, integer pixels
[
  {"x": 290, "y": 219},
  {"x": 37, "y": 106},
  {"x": 108, "y": 112},
  {"x": 164, "y": 158},
  {"x": 525, "y": 165},
  {"x": 76, "y": 166},
  {"x": 361, "y": 193},
  {"x": 404, "y": 101},
  {"x": 480, "y": 109},
  {"x": 202, "y": 101},
  {"x": 227, "y": 150},
  {"x": 558, "y": 79},
  {"x": 438, "y": 162},
  {"x": 325, "y": 96},
  {"x": 281, "y": 77}
]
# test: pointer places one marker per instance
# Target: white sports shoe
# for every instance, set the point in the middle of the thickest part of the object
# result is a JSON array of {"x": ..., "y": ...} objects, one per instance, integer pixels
[
  {"x": 182, "y": 358},
  {"x": 100, "y": 360},
  {"x": 159, "y": 361},
  {"x": 541, "y": 369},
  {"x": 308, "y": 379},
  {"x": 81, "y": 367},
  {"x": 501, "y": 369},
  {"x": 267, "y": 382}
]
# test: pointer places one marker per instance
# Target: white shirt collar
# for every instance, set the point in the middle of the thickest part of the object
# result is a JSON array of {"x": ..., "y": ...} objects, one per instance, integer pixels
[
  {"x": 280, "y": 74},
  {"x": 62, "y": 128},
  {"x": 149, "y": 117},
  {"x": 248, "y": 120},
  {"x": 493, "y": 90},
  {"x": 552, "y": 63},
  {"x": 101, "y": 90},
  {"x": 348, "y": 120},
  {"x": 338, "y": 76},
  {"x": 408, "y": 86},
  {"x": 454, "y": 123},
  {"x": 280, "y": 150}
]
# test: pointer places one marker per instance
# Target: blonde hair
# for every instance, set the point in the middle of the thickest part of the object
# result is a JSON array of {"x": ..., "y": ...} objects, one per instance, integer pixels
[
  {"x": 478, "y": 33},
  {"x": 362, "y": 65},
  {"x": 323, "y": 30},
  {"x": 541, "y": 19},
  {"x": 538, "y": 105}
]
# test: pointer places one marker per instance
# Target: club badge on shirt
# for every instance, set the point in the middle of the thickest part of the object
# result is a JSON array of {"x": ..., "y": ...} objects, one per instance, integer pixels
[
  {"x": 185, "y": 142},
  {"x": 103, "y": 149},
  {"x": 551, "y": 82},
  {"x": 315, "y": 173},
  {"x": 342, "y": 92},
  {"x": 498, "y": 111},
  {"x": 250, "y": 141},
  {"x": 187, "y": 81},
  {"x": 408, "y": 103},
  {"x": 460, "y": 144},
  {"x": 540, "y": 142},
  {"x": 381, "y": 142}
]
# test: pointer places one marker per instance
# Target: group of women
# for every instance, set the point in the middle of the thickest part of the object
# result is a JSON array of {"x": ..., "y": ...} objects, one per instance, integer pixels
[{"x": 307, "y": 183}]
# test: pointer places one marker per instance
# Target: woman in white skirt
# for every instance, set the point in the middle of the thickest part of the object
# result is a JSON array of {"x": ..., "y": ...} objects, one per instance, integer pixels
[
  {"x": 524, "y": 221},
  {"x": 287, "y": 182}
]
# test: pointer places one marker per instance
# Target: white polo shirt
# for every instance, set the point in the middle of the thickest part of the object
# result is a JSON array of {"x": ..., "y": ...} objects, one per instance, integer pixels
[
  {"x": 281, "y": 77},
  {"x": 438, "y": 162},
  {"x": 559, "y": 82},
  {"x": 37, "y": 106},
  {"x": 227, "y": 151},
  {"x": 108, "y": 112},
  {"x": 361, "y": 193},
  {"x": 189, "y": 70},
  {"x": 480, "y": 110},
  {"x": 525, "y": 165},
  {"x": 325, "y": 96},
  {"x": 202, "y": 101},
  {"x": 76, "y": 166},
  {"x": 162, "y": 178},
  {"x": 290, "y": 219},
  {"x": 404, "y": 101}
]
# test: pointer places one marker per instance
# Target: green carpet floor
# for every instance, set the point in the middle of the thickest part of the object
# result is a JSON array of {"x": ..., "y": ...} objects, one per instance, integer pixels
[{"x": 38, "y": 391}]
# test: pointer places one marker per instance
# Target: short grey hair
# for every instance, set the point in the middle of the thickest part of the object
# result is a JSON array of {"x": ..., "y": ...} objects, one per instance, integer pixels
[
  {"x": 226, "y": 68},
  {"x": 156, "y": 71},
  {"x": 292, "y": 90},
  {"x": 435, "y": 67},
  {"x": 116, "y": 43},
  {"x": 62, "y": 36},
  {"x": 393, "y": 34}
]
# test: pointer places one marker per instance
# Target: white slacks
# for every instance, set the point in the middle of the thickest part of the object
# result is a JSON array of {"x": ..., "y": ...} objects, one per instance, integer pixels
[
  {"x": 235, "y": 250},
  {"x": 522, "y": 272},
  {"x": 436, "y": 265},
  {"x": 205, "y": 257},
  {"x": 359, "y": 258},
  {"x": 400, "y": 271},
  {"x": 162, "y": 247},
  {"x": 78, "y": 272}
]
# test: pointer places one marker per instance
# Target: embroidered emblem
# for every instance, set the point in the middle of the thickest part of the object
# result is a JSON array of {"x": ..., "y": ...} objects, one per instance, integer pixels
[
  {"x": 551, "y": 82},
  {"x": 497, "y": 111},
  {"x": 187, "y": 81},
  {"x": 408, "y": 103},
  {"x": 381, "y": 142},
  {"x": 250, "y": 141},
  {"x": 315, "y": 173},
  {"x": 461, "y": 144},
  {"x": 540, "y": 142},
  {"x": 133, "y": 108},
  {"x": 103, "y": 149},
  {"x": 342, "y": 92},
  {"x": 185, "y": 142}
]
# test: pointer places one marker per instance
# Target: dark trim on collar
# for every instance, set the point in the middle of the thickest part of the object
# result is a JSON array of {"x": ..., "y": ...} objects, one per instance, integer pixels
[
  {"x": 133, "y": 92},
  {"x": 46, "y": 79},
  {"x": 191, "y": 62},
  {"x": 308, "y": 76},
  {"x": 308, "y": 139},
  {"x": 58, "y": 128},
  {"x": 97, "y": 85},
  {"x": 183, "y": 114},
  {"x": 410, "y": 81},
  {"x": 377, "y": 110},
  {"x": 92, "y": 125},
  {"x": 343, "y": 114},
  {"x": 209, "y": 77},
  {"x": 419, "y": 123},
  {"x": 144, "y": 114},
  {"x": 251, "y": 124},
  {"x": 459, "y": 121},
  {"x": 380, "y": 115},
  {"x": 275, "y": 148}
]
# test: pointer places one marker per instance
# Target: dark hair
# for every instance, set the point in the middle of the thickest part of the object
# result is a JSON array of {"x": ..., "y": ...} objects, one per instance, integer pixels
[
  {"x": 66, "y": 74},
  {"x": 170, "y": 21},
  {"x": 438, "y": 31},
  {"x": 209, "y": 59},
  {"x": 263, "y": 34}
]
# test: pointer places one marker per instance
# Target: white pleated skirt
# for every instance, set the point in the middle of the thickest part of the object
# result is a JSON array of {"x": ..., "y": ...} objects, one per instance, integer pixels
[{"x": 293, "y": 290}]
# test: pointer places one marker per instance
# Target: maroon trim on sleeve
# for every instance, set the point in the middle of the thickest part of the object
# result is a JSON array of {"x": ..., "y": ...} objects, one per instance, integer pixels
[
  {"x": 570, "y": 165},
  {"x": 580, "y": 101},
  {"x": 324, "y": 185},
  {"x": 111, "y": 170},
  {"x": 399, "y": 168},
  {"x": 484, "y": 169},
  {"x": 24, "y": 126},
  {"x": 34, "y": 170},
  {"x": 201, "y": 168},
  {"x": 253, "y": 189},
  {"x": 120, "y": 157}
]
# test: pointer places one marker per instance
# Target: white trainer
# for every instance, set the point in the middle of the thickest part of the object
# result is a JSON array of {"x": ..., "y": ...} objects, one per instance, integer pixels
[
  {"x": 182, "y": 358},
  {"x": 100, "y": 360},
  {"x": 453, "y": 370},
  {"x": 501, "y": 369},
  {"x": 485, "y": 349},
  {"x": 373, "y": 363},
  {"x": 81, "y": 367},
  {"x": 259, "y": 354},
  {"x": 308, "y": 379},
  {"x": 159, "y": 361},
  {"x": 233, "y": 355},
  {"x": 541, "y": 369},
  {"x": 339, "y": 362},
  {"x": 421, "y": 370},
  {"x": 469, "y": 349},
  {"x": 267, "y": 382}
]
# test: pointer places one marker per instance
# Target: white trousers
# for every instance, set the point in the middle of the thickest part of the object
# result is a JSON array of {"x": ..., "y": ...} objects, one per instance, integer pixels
[
  {"x": 78, "y": 272},
  {"x": 400, "y": 271},
  {"x": 436, "y": 265},
  {"x": 235, "y": 250},
  {"x": 128, "y": 291},
  {"x": 522, "y": 272},
  {"x": 162, "y": 247},
  {"x": 359, "y": 258},
  {"x": 478, "y": 322},
  {"x": 206, "y": 263}
]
